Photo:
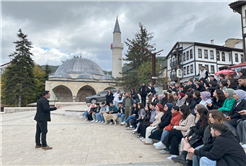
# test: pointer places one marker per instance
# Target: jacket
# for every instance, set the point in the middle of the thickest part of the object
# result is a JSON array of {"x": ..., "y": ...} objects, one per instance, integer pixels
[
  {"x": 114, "y": 108},
  {"x": 185, "y": 124},
  {"x": 43, "y": 110},
  {"x": 98, "y": 109},
  {"x": 124, "y": 102},
  {"x": 109, "y": 98},
  {"x": 163, "y": 101},
  {"x": 181, "y": 102},
  {"x": 215, "y": 104},
  {"x": 225, "y": 150},
  {"x": 153, "y": 113},
  {"x": 165, "y": 119},
  {"x": 228, "y": 104},
  {"x": 142, "y": 113},
  {"x": 157, "y": 119},
  {"x": 208, "y": 139},
  {"x": 121, "y": 110},
  {"x": 134, "y": 95},
  {"x": 143, "y": 90},
  {"x": 195, "y": 102},
  {"x": 236, "y": 108},
  {"x": 176, "y": 117},
  {"x": 104, "y": 109},
  {"x": 196, "y": 129}
]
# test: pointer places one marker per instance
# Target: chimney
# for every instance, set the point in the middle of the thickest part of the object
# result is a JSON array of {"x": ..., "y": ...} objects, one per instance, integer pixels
[{"x": 212, "y": 41}]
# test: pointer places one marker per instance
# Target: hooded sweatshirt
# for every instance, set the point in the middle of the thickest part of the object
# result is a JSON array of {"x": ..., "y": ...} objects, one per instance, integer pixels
[{"x": 229, "y": 102}]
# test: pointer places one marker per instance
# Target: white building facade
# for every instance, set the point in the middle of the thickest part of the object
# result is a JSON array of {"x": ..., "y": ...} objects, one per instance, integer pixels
[{"x": 190, "y": 56}]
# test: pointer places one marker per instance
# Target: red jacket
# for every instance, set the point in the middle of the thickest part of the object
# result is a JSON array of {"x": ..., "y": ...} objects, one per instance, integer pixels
[{"x": 176, "y": 117}]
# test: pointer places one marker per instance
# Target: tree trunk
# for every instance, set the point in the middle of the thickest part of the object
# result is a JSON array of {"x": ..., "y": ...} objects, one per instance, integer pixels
[{"x": 20, "y": 95}]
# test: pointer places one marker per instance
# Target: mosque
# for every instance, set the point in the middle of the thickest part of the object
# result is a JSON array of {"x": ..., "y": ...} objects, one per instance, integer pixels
[{"x": 79, "y": 77}]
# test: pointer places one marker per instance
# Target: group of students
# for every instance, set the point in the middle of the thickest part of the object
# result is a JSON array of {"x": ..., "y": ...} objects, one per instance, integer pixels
[{"x": 191, "y": 122}]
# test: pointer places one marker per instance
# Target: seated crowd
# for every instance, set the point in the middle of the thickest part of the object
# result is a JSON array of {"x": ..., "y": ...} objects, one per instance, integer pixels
[{"x": 198, "y": 123}]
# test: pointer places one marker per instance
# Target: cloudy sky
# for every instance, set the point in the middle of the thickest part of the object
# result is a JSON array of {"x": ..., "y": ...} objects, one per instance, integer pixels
[{"x": 60, "y": 30}]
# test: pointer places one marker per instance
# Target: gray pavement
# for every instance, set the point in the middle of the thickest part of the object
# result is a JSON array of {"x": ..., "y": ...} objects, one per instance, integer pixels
[{"x": 74, "y": 142}]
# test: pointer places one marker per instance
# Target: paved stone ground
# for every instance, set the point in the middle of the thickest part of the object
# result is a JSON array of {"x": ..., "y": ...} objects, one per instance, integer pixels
[{"x": 74, "y": 142}]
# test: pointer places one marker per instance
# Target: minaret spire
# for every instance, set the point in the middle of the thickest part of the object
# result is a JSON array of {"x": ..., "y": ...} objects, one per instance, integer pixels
[{"x": 117, "y": 27}]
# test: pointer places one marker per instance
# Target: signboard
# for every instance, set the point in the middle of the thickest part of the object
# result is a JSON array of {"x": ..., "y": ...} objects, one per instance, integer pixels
[
  {"x": 179, "y": 73},
  {"x": 154, "y": 78}
]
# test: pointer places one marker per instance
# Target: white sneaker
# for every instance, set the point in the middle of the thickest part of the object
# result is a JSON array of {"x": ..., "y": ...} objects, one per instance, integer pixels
[
  {"x": 81, "y": 116},
  {"x": 243, "y": 146},
  {"x": 159, "y": 146},
  {"x": 123, "y": 123},
  {"x": 99, "y": 122},
  {"x": 111, "y": 123},
  {"x": 135, "y": 130},
  {"x": 92, "y": 121},
  {"x": 86, "y": 119},
  {"x": 170, "y": 158},
  {"x": 131, "y": 126},
  {"x": 96, "y": 121},
  {"x": 102, "y": 121},
  {"x": 241, "y": 143}
]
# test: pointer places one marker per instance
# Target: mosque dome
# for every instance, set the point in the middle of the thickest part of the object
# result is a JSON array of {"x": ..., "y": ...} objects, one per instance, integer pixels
[
  {"x": 107, "y": 77},
  {"x": 79, "y": 68},
  {"x": 85, "y": 76}
]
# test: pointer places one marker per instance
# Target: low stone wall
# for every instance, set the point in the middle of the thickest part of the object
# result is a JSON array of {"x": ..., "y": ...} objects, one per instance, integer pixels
[
  {"x": 64, "y": 104},
  {"x": 18, "y": 109},
  {"x": 74, "y": 113}
]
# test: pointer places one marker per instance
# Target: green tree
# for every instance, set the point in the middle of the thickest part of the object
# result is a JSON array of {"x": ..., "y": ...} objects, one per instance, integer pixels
[
  {"x": 136, "y": 56},
  {"x": 144, "y": 72},
  {"x": 39, "y": 78},
  {"x": 47, "y": 71},
  {"x": 18, "y": 81}
]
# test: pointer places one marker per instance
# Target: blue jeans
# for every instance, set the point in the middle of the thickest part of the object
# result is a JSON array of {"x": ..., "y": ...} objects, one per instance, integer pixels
[
  {"x": 116, "y": 104},
  {"x": 122, "y": 116},
  {"x": 100, "y": 117},
  {"x": 164, "y": 134},
  {"x": 130, "y": 118},
  {"x": 85, "y": 114},
  {"x": 204, "y": 161},
  {"x": 195, "y": 158}
]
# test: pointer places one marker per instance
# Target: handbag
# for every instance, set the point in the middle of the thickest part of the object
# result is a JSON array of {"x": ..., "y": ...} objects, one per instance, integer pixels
[{"x": 194, "y": 139}]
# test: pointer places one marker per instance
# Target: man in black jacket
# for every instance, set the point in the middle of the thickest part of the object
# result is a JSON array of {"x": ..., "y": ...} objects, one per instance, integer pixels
[
  {"x": 42, "y": 117},
  {"x": 242, "y": 82},
  {"x": 224, "y": 151}
]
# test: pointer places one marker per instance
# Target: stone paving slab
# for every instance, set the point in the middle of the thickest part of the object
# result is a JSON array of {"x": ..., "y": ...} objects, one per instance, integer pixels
[{"x": 74, "y": 142}]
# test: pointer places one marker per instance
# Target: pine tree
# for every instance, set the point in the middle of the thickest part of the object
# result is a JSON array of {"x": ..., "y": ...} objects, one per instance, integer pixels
[
  {"x": 135, "y": 56},
  {"x": 47, "y": 71},
  {"x": 18, "y": 78}
]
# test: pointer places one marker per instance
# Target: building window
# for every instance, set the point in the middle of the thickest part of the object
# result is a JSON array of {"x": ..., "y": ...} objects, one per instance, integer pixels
[
  {"x": 223, "y": 56},
  {"x": 206, "y": 54},
  {"x": 211, "y": 54},
  {"x": 184, "y": 56},
  {"x": 188, "y": 56},
  {"x": 236, "y": 57},
  {"x": 212, "y": 69},
  {"x": 191, "y": 69},
  {"x": 191, "y": 55},
  {"x": 200, "y": 66},
  {"x": 199, "y": 53},
  {"x": 242, "y": 58},
  {"x": 206, "y": 67},
  {"x": 188, "y": 70},
  {"x": 230, "y": 56},
  {"x": 184, "y": 70},
  {"x": 218, "y": 55}
]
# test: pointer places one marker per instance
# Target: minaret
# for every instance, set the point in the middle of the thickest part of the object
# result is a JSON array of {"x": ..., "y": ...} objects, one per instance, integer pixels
[{"x": 117, "y": 48}]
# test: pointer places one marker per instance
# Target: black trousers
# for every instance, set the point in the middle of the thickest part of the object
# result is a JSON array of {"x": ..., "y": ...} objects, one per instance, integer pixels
[
  {"x": 142, "y": 128},
  {"x": 41, "y": 127},
  {"x": 173, "y": 139},
  {"x": 143, "y": 100}
]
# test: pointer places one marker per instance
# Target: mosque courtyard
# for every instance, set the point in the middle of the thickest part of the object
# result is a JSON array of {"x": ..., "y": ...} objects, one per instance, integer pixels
[{"x": 74, "y": 142}]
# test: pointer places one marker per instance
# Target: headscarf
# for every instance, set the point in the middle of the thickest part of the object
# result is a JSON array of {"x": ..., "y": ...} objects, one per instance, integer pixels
[
  {"x": 160, "y": 107},
  {"x": 182, "y": 95},
  {"x": 170, "y": 106},
  {"x": 241, "y": 94},
  {"x": 93, "y": 106},
  {"x": 230, "y": 92},
  {"x": 206, "y": 95},
  {"x": 198, "y": 106}
]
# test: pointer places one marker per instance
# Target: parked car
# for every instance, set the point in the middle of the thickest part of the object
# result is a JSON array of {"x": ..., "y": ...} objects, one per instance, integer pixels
[{"x": 100, "y": 97}]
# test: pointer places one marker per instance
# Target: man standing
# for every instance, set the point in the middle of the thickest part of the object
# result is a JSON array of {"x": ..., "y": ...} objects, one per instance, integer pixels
[
  {"x": 127, "y": 105},
  {"x": 151, "y": 91},
  {"x": 203, "y": 73},
  {"x": 143, "y": 90},
  {"x": 42, "y": 117}
]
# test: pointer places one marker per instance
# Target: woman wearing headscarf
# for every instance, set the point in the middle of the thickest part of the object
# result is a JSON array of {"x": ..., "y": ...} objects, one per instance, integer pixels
[
  {"x": 240, "y": 104},
  {"x": 200, "y": 87},
  {"x": 206, "y": 98},
  {"x": 181, "y": 100},
  {"x": 92, "y": 109},
  {"x": 229, "y": 102},
  {"x": 165, "y": 120}
]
